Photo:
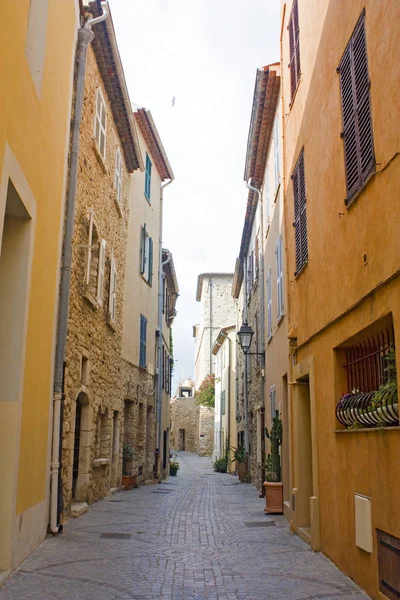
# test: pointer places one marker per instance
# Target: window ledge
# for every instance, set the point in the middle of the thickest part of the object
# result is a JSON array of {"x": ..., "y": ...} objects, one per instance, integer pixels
[
  {"x": 147, "y": 199},
  {"x": 90, "y": 299},
  {"x": 111, "y": 324},
  {"x": 295, "y": 94},
  {"x": 146, "y": 280},
  {"x": 280, "y": 319},
  {"x": 101, "y": 462},
  {"x": 368, "y": 429},
  {"x": 99, "y": 157},
  {"x": 352, "y": 200},
  {"x": 302, "y": 268},
  {"x": 118, "y": 204},
  {"x": 277, "y": 192}
]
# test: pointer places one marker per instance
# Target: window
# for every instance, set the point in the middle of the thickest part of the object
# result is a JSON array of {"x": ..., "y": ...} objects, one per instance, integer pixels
[
  {"x": 276, "y": 152},
  {"x": 143, "y": 335},
  {"x": 95, "y": 262},
  {"x": 118, "y": 174},
  {"x": 147, "y": 182},
  {"x": 279, "y": 277},
  {"x": 294, "y": 49},
  {"x": 269, "y": 303},
  {"x": 257, "y": 257},
  {"x": 112, "y": 298},
  {"x": 100, "y": 123},
  {"x": 146, "y": 256},
  {"x": 300, "y": 216},
  {"x": 356, "y": 112},
  {"x": 267, "y": 196},
  {"x": 272, "y": 398}
]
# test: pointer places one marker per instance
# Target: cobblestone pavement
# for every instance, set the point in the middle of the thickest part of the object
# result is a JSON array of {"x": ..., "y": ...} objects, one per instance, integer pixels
[{"x": 187, "y": 538}]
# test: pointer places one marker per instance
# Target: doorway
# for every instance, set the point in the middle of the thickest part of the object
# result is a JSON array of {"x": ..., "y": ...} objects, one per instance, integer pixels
[
  {"x": 304, "y": 457},
  {"x": 287, "y": 487},
  {"x": 77, "y": 439},
  {"x": 181, "y": 440}
]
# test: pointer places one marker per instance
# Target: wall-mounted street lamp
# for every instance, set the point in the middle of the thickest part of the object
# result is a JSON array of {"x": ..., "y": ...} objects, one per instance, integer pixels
[{"x": 245, "y": 335}]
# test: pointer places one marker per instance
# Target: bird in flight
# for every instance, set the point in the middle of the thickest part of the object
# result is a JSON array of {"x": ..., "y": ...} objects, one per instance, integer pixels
[{"x": 173, "y": 101}]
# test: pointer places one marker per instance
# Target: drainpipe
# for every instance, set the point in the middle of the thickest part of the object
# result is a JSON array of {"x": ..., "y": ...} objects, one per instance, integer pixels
[
  {"x": 210, "y": 292},
  {"x": 245, "y": 394},
  {"x": 229, "y": 396},
  {"x": 262, "y": 317},
  {"x": 85, "y": 36},
  {"x": 160, "y": 328}
]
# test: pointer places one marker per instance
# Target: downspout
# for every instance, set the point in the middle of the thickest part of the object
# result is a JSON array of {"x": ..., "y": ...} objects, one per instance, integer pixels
[
  {"x": 160, "y": 328},
  {"x": 210, "y": 292},
  {"x": 229, "y": 397},
  {"x": 262, "y": 319},
  {"x": 85, "y": 36},
  {"x": 245, "y": 390}
]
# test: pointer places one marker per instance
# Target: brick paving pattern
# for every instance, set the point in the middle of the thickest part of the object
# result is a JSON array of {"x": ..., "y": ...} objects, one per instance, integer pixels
[{"x": 185, "y": 539}]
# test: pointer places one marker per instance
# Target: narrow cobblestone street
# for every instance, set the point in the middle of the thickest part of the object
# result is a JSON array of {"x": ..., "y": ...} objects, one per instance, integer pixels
[{"x": 199, "y": 536}]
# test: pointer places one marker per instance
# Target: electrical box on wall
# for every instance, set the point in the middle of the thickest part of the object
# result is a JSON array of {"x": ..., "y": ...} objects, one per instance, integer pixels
[{"x": 363, "y": 520}]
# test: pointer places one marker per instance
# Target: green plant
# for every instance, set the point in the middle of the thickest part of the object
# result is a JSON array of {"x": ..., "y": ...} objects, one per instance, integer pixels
[
  {"x": 221, "y": 465},
  {"x": 273, "y": 460},
  {"x": 173, "y": 467},
  {"x": 128, "y": 454},
  {"x": 205, "y": 395},
  {"x": 387, "y": 390},
  {"x": 239, "y": 454}
]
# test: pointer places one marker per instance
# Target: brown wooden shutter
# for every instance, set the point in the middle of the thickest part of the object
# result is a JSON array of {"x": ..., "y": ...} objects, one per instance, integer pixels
[
  {"x": 356, "y": 111},
  {"x": 300, "y": 213},
  {"x": 294, "y": 49}
]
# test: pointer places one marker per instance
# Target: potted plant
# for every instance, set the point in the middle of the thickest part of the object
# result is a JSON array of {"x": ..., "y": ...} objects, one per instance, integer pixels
[
  {"x": 273, "y": 485},
  {"x": 173, "y": 467},
  {"x": 240, "y": 459},
  {"x": 128, "y": 478}
]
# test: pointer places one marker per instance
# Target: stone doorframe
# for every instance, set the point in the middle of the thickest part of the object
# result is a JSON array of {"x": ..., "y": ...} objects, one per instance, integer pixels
[
  {"x": 85, "y": 442},
  {"x": 305, "y": 506}
]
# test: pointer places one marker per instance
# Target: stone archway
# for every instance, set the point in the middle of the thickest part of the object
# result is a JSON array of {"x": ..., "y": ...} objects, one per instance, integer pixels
[{"x": 82, "y": 448}]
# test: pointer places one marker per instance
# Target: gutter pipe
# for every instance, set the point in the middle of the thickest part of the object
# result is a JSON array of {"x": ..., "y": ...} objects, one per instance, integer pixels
[
  {"x": 159, "y": 339},
  {"x": 245, "y": 387},
  {"x": 262, "y": 315},
  {"x": 85, "y": 37}
]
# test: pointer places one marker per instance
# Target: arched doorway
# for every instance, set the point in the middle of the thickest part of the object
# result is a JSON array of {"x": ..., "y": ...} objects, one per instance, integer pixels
[{"x": 81, "y": 452}]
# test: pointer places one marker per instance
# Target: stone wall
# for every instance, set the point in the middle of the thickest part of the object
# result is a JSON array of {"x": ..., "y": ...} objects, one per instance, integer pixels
[
  {"x": 184, "y": 416},
  {"x": 206, "y": 429},
  {"x": 93, "y": 353}
]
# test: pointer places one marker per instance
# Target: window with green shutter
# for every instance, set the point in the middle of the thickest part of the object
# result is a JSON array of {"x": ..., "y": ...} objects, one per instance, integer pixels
[
  {"x": 147, "y": 181},
  {"x": 143, "y": 337},
  {"x": 223, "y": 402},
  {"x": 356, "y": 111},
  {"x": 294, "y": 49},
  {"x": 300, "y": 214}
]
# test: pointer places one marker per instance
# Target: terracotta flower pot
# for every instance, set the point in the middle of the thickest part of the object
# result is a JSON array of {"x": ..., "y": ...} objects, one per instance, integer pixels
[
  {"x": 273, "y": 497},
  {"x": 241, "y": 470},
  {"x": 128, "y": 481}
]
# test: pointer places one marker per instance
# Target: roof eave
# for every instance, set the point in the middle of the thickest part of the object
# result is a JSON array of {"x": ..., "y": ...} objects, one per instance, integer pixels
[{"x": 145, "y": 122}]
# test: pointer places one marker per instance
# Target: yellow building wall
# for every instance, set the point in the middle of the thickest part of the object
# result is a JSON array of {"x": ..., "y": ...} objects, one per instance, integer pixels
[
  {"x": 339, "y": 293},
  {"x": 34, "y": 137}
]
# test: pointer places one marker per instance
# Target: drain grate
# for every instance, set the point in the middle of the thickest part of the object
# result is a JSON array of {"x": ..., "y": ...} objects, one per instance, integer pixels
[
  {"x": 229, "y": 484},
  {"x": 260, "y": 524},
  {"x": 161, "y": 492},
  {"x": 116, "y": 536}
]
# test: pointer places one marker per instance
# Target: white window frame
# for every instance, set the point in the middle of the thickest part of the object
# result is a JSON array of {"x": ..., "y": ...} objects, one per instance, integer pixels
[
  {"x": 100, "y": 272},
  {"x": 89, "y": 246},
  {"x": 112, "y": 297},
  {"x": 118, "y": 174},
  {"x": 279, "y": 277},
  {"x": 276, "y": 152},
  {"x": 269, "y": 303},
  {"x": 100, "y": 128}
]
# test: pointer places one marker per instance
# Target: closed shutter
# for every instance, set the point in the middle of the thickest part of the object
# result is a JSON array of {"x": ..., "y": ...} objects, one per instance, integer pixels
[
  {"x": 272, "y": 395},
  {"x": 300, "y": 214},
  {"x": 143, "y": 336},
  {"x": 100, "y": 272},
  {"x": 356, "y": 111},
  {"x": 150, "y": 277},
  {"x": 147, "y": 184},
  {"x": 89, "y": 246},
  {"x": 269, "y": 302},
  {"x": 223, "y": 402},
  {"x": 112, "y": 298},
  {"x": 294, "y": 49},
  {"x": 279, "y": 276},
  {"x": 143, "y": 256},
  {"x": 162, "y": 369}
]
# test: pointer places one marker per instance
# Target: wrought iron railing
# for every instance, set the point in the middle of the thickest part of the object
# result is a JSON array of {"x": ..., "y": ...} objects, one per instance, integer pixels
[{"x": 368, "y": 409}]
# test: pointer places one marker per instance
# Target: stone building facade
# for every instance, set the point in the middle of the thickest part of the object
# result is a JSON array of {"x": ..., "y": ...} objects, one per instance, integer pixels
[
  {"x": 185, "y": 414},
  {"x": 148, "y": 309},
  {"x": 93, "y": 408}
]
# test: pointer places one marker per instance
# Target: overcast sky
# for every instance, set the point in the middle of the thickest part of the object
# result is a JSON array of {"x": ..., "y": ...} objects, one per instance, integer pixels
[{"x": 205, "y": 54}]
